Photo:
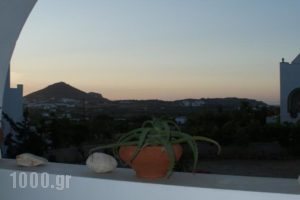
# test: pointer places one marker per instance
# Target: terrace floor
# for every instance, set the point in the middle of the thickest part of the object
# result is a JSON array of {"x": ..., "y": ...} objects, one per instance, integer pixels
[{"x": 122, "y": 184}]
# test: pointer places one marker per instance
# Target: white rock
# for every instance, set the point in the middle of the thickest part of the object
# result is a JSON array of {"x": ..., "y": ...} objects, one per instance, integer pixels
[
  {"x": 30, "y": 160},
  {"x": 101, "y": 162}
]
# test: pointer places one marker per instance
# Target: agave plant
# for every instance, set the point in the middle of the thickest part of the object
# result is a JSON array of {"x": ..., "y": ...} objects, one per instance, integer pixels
[{"x": 159, "y": 132}]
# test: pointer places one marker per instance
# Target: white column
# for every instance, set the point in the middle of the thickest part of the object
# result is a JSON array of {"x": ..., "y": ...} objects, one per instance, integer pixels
[{"x": 13, "y": 14}]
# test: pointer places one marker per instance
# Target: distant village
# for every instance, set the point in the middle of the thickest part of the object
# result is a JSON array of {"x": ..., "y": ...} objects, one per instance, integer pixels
[{"x": 77, "y": 105}]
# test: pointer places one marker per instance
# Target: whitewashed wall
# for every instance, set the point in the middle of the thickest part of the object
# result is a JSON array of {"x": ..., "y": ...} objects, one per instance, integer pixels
[
  {"x": 122, "y": 184},
  {"x": 289, "y": 80},
  {"x": 13, "y": 14}
]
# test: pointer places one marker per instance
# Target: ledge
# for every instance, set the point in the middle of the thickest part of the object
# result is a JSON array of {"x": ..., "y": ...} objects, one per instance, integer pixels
[{"x": 122, "y": 184}]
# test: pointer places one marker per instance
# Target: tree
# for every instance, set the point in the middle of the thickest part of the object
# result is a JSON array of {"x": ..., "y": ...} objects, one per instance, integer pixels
[{"x": 24, "y": 138}]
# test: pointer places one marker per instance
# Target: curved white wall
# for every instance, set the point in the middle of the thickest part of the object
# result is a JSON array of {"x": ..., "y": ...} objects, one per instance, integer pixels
[{"x": 13, "y": 14}]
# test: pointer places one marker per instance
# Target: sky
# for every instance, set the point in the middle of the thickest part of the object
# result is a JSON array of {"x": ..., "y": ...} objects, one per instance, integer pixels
[{"x": 159, "y": 49}]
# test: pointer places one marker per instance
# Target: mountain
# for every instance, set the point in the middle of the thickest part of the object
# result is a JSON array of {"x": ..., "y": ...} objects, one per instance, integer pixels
[{"x": 62, "y": 90}]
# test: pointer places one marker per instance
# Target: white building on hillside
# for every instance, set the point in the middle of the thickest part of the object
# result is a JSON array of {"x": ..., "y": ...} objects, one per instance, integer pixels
[
  {"x": 13, "y": 101},
  {"x": 12, "y": 106},
  {"x": 290, "y": 90}
]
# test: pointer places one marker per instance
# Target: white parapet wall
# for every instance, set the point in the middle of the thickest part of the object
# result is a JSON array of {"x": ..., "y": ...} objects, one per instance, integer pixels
[
  {"x": 77, "y": 182},
  {"x": 13, "y": 14}
]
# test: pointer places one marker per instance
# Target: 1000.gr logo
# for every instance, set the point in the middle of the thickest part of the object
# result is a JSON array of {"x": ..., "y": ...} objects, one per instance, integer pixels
[{"x": 34, "y": 180}]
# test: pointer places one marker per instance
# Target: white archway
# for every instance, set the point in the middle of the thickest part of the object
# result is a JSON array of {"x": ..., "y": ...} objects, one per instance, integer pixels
[{"x": 13, "y": 14}]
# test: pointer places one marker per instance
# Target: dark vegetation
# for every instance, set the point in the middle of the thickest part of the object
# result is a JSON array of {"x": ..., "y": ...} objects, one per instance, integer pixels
[{"x": 243, "y": 133}]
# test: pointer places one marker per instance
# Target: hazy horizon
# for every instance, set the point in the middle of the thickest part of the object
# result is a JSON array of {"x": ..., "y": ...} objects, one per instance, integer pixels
[
  {"x": 142, "y": 99},
  {"x": 160, "y": 49}
]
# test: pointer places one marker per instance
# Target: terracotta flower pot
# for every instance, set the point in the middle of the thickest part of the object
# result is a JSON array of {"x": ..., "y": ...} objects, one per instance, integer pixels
[{"x": 152, "y": 162}]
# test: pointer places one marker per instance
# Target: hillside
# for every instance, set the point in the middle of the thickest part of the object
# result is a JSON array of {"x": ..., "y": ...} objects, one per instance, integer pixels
[
  {"x": 229, "y": 102},
  {"x": 61, "y": 90}
]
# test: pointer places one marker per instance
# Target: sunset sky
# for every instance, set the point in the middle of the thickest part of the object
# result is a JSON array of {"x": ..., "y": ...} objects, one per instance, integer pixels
[{"x": 159, "y": 49}]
